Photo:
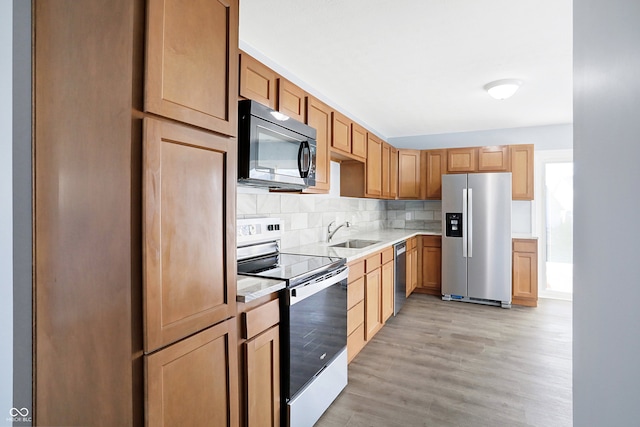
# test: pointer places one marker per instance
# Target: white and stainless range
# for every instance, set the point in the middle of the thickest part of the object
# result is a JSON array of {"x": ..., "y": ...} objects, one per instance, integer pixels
[{"x": 313, "y": 318}]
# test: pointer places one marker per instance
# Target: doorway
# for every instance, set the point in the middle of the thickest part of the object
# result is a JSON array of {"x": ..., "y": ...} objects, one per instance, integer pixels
[{"x": 555, "y": 214}]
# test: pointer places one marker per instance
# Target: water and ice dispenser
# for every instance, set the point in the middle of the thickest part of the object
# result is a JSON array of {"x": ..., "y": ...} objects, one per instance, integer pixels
[{"x": 453, "y": 224}]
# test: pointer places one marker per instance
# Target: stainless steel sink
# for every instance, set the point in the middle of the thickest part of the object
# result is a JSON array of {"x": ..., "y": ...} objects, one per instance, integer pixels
[{"x": 355, "y": 244}]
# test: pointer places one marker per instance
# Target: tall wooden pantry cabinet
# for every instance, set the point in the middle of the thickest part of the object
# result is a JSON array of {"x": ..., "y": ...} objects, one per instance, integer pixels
[{"x": 134, "y": 212}]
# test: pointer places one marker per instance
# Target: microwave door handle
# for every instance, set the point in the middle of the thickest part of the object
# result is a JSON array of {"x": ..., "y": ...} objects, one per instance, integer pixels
[{"x": 304, "y": 155}]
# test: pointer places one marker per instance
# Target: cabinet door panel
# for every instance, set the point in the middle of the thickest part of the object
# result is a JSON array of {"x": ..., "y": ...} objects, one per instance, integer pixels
[
  {"x": 263, "y": 379},
  {"x": 522, "y": 171},
  {"x": 462, "y": 160},
  {"x": 436, "y": 166},
  {"x": 525, "y": 272},
  {"x": 291, "y": 100},
  {"x": 408, "y": 174},
  {"x": 257, "y": 81},
  {"x": 192, "y": 62},
  {"x": 188, "y": 199},
  {"x": 341, "y": 137},
  {"x": 358, "y": 141},
  {"x": 393, "y": 173},
  {"x": 194, "y": 382},
  {"x": 387, "y": 291},
  {"x": 386, "y": 172},
  {"x": 493, "y": 158},
  {"x": 319, "y": 118},
  {"x": 373, "y": 167},
  {"x": 373, "y": 321}
]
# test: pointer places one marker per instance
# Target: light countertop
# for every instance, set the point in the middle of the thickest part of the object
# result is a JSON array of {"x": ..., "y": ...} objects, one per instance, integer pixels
[
  {"x": 386, "y": 238},
  {"x": 250, "y": 288}
]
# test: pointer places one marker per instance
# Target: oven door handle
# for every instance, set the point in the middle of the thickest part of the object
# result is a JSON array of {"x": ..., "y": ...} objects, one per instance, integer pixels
[{"x": 301, "y": 292}]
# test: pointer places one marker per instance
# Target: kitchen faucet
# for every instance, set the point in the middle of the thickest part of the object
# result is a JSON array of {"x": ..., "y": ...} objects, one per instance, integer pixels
[{"x": 331, "y": 233}]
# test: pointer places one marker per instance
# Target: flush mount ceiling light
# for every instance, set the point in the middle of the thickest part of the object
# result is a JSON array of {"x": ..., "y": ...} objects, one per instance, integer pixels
[{"x": 503, "y": 89}]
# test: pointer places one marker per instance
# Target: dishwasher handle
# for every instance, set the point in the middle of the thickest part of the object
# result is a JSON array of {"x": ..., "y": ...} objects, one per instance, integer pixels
[{"x": 400, "y": 248}]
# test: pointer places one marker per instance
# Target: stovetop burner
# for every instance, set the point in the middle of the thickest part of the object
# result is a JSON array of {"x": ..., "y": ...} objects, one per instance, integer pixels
[{"x": 289, "y": 267}]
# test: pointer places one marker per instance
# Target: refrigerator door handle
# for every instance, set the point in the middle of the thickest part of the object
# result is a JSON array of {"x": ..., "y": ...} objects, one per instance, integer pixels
[
  {"x": 470, "y": 223},
  {"x": 464, "y": 223}
]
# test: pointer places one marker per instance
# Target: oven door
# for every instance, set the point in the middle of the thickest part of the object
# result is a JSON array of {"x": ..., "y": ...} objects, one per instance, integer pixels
[
  {"x": 316, "y": 313},
  {"x": 278, "y": 157}
]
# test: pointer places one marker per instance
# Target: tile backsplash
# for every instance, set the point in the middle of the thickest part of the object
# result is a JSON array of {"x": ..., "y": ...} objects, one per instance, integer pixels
[
  {"x": 414, "y": 214},
  {"x": 307, "y": 216}
]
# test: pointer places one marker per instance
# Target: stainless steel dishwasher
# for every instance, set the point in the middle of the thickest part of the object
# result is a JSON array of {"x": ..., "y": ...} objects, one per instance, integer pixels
[{"x": 400, "y": 255}]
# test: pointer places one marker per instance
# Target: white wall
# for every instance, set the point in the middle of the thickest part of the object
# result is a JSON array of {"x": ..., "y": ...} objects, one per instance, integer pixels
[
  {"x": 552, "y": 137},
  {"x": 6, "y": 213},
  {"x": 606, "y": 351}
]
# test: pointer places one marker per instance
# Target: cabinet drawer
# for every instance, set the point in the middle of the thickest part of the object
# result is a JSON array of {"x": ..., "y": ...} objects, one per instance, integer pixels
[
  {"x": 355, "y": 317},
  {"x": 525, "y": 245},
  {"x": 260, "y": 319},
  {"x": 356, "y": 270},
  {"x": 387, "y": 255},
  {"x": 372, "y": 262},
  {"x": 431, "y": 241},
  {"x": 411, "y": 243},
  {"x": 355, "y": 292}
]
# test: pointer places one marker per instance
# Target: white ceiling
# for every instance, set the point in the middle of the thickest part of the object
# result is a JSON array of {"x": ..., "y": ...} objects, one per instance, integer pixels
[{"x": 418, "y": 67}]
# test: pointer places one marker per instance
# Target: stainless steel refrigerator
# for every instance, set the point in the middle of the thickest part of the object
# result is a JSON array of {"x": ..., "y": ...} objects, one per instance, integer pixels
[{"x": 476, "y": 238}]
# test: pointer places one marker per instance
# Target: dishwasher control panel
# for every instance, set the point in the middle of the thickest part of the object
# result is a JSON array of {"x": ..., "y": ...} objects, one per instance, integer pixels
[{"x": 453, "y": 224}]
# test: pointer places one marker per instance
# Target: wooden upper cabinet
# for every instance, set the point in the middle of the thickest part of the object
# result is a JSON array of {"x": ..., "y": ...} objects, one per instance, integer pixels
[
  {"x": 433, "y": 167},
  {"x": 408, "y": 174},
  {"x": 393, "y": 173},
  {"x": 358, "y": 141},
  {"x": 341, "y": 133},
  {"x": 192, "y": 63},
  {"x": 373, "y": 185},
  {"x": 257, "y": 81},
  {"x": 522, "y": 170},
  {"x": 494, "y": 159},
  {"x": 291, "y": 100},
  {"x": 319, "y": 118},
  {"x": 389, "y": 171},
  {"x": 189, "y": 269},
  {"x": 462, "y": 160},
  {"x": 386, "y": 171},
  {"x": 205, "y": 362}
]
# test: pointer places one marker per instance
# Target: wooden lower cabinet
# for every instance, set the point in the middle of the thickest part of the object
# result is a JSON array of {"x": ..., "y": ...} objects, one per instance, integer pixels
[
  {"x": 525, "y": 272},
  {"x": 387, "y": 286},
  {"x": 262, "y": 359},
  {"x": 355, "y": 309},
  {"x": 259, "y": 366},
  {"x": 373, "y": 309},
  {"x": 194, "y": 381},
  {"x": 412, "y": 265},
  {"x": 431, "y": 280}
]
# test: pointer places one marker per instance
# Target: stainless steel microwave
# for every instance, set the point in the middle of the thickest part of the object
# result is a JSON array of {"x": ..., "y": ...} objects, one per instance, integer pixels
[{"x": 274, "y": 150}]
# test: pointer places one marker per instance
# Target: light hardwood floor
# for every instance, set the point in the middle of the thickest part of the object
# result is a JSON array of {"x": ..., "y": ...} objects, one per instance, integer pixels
[{"x": 457, "y": 364}]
